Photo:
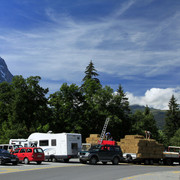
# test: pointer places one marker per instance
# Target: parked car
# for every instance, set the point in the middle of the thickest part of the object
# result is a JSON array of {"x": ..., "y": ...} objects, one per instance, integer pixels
[
  {"x": 6, "y": 157},
  {"x": 28, "y": 154},
  {"x": 102, "y": 153}
]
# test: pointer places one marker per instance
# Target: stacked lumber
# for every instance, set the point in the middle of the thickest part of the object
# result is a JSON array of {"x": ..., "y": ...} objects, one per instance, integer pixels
[
  {"x": 93, "y": 139},
  {"x": 144, "y": 148}
]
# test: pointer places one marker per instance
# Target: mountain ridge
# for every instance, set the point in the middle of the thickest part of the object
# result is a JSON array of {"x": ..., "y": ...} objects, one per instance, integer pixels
[
  {"x": 159, "y": 115},
  {"x": 5, "y": 74}
]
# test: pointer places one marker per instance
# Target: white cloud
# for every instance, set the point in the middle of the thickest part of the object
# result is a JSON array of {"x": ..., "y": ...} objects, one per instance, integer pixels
[{"x": 155, "y": 97}]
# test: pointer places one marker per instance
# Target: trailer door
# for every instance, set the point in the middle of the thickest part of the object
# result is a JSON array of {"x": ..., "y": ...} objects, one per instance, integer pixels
[{"x": 74, "y": 148}]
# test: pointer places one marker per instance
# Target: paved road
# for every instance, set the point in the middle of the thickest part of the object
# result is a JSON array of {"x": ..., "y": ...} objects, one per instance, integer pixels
[{"x": 76, "y": 171}]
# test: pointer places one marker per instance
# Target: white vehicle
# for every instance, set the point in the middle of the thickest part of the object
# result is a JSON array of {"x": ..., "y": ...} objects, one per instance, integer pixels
[
  {"x": 59, "y": 146},
  {"x": 10, "y": 147},
  {"x": 23, "y": 142}
]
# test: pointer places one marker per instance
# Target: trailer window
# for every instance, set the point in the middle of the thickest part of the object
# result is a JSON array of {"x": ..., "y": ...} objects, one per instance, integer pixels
[
  {"x": 43, "y": 143},
  {"x": 53, "y": 142}
]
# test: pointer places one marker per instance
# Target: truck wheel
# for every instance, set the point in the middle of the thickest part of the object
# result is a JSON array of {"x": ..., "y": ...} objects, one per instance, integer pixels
[
  {"x": 169, "y": 162},
  {"x": 115, "y": 161},
  {"x": 146, "y": 162},
  {"x": 93, "y": 161},
  {"x": 26, "y": 161},
  {"x": 39, "y": 162},
  {"x": 104, "y": 163},
  {"x": 151, "y": 162},
  {"x": 129, "y": 158}
]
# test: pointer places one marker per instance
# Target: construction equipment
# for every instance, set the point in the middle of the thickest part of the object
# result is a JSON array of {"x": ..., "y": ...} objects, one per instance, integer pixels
[{"x": 103, "y": 130}]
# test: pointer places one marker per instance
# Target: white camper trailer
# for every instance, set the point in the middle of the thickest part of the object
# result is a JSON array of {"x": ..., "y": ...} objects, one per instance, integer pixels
[
  {"x": 59, "y": 146},
  {"x": 23, "y": 142}
]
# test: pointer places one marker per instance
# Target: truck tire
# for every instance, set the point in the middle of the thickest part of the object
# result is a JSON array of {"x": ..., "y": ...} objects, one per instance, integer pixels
[
  {"x": 115, "y": 161},
  {"x": 129, "y": 158},
  {"x": 104, "y": 162},
  {"x": 151, "y": 162},
  {"x": 39, "y": 162},
  {"x": 146, "y": 162},
  {"x": 93, "y": 161},
  {"x": 169, "y": 162}
]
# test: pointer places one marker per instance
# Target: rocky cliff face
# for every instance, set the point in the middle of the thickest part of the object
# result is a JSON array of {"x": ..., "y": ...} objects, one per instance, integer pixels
[{"x": 5, "y": 74}]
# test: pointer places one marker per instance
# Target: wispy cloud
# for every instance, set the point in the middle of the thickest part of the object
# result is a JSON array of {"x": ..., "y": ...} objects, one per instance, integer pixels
[{"x": 120, "y": 45}]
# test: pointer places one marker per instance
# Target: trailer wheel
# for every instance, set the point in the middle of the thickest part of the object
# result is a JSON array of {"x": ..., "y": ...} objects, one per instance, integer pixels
[
  {"x": 104, "y": 162},
  {"x": 66, "y": 160},
  {"x": 53, "y": 159}
]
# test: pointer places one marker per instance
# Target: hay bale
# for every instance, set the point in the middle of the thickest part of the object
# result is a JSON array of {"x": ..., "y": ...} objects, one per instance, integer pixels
[{"x": 94, "y": 135}]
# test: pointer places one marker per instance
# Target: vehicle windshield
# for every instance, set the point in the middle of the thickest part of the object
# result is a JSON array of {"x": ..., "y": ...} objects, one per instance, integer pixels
[
  {"x": 3, "y": 151},
  {"x": 95, "y": 148}
]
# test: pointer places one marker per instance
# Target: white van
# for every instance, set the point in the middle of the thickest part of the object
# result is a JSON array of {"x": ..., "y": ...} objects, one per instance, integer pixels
[
  {"x": 59, "y": 146},
  {"x": 9, "y": 147}
]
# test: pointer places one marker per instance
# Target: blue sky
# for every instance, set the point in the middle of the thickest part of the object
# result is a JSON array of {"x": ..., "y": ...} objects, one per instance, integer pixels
[{"x": 135, "y": 43}]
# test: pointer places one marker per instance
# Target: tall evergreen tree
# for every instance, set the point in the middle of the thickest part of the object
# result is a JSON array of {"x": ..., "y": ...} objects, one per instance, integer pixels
[
  {"x": 172, "y": 118},
  {"x": 91, "y": 73},
  {"x": 120, "y": 114}
]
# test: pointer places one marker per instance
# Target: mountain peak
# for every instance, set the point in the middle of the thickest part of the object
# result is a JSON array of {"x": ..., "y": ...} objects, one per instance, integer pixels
[{"x": 5, "y": 74}]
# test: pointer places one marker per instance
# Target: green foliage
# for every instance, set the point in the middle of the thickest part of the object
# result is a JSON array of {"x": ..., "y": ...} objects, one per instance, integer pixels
[
  {"x": 175, "y": 140},
  {"x": 144, "y": 121},
  {"x": 23, "y": 107}
]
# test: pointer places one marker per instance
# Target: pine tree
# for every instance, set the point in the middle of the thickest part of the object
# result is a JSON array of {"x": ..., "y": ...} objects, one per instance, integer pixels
[
  {"x": 172, "y": 118},
  {"x": 91, "y": 72}
]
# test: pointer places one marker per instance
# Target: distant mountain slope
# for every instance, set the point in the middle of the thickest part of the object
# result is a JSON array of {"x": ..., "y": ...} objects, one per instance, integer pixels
[
  {"x": 159, "y": 115},
  {"x": 5, "y": 74}
]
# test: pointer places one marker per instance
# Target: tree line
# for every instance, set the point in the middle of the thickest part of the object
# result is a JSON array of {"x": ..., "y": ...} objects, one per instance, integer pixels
[{"x": 25, "y": 108}]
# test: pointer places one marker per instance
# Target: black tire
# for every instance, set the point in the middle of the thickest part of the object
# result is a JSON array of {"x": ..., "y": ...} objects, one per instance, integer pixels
[
  {"x": 129, "y": 158},
  {"x": 146, "y": 162},
  {"x": 83, "y": 162},
  {"x": 93, "y": 161},
  {"x": 115, "y": 161},
  {"x": 1, "y": 162},
  {"x": 104, "y": 163},
  {"x": 39, "y": 162},
  {"x": 53, "y": 159},
  {"x": 66, "y": 160},
  {"x": 151, "y": 162},
  {"x": 26, "y": 161},
  {"x": 169, "y": 162},
  {"x": 15, "y": 163}
]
